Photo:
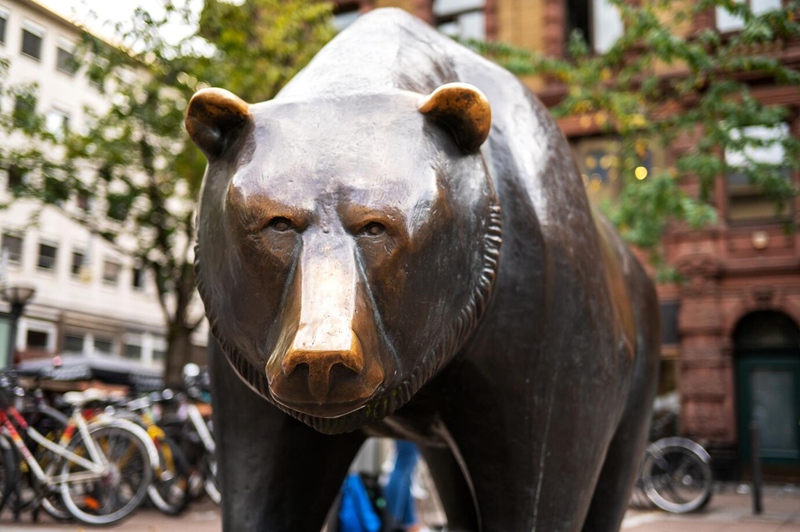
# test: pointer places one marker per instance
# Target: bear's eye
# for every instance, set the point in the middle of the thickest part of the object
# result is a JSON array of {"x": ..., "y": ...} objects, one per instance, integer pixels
[
  {"x": 373, "y": 229},
  {"x": 280, "y": 224}
]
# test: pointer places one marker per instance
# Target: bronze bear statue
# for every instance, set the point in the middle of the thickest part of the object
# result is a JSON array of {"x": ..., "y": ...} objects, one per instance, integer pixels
[{"x": 400, "y": 244}]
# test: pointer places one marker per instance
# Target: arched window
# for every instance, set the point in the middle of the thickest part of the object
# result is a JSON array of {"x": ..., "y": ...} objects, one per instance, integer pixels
[{"x": 766, "y": 329}]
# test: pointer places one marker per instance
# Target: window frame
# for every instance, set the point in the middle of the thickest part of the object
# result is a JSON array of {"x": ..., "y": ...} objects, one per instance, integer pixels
[
  {"x": 746, "y": 191},
  {"x": 73, "y": 272},
  {"x": 734, "y": 24},
  {"x": 108, "y": 281},
  {"x": 444, "y": 17},
  {"x": 27, "y": 324},
  {"x": 63, "y": 127},
  {"x": 111, "y": 340},
  {"x": 592, "y": 11},
  {"x": 68, "y": 66},
  {"x": 5, "y": 15},
  {"x": 82, "y": 336},
  {"x": 36, "y": 30},
  {"x": 133, "y": 339},
  {"x": 19, "y": 236},
  {"x": 50, "y": 244},
  {"x": 140, "y": 276}
]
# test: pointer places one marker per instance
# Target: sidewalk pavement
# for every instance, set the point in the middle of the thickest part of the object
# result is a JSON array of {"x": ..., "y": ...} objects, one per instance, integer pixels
[
  {"x": 730, "y": 510},
  {"x": 201, "y": 516}
]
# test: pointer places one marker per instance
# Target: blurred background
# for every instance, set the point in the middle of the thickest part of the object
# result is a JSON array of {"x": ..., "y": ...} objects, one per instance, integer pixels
[{"x": 684, "y": 119}]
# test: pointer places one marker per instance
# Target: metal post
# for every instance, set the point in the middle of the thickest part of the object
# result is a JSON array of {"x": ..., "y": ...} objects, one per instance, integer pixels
[
  {"x": 16, "y": 312},
  {"x": 755, "y": 464}
]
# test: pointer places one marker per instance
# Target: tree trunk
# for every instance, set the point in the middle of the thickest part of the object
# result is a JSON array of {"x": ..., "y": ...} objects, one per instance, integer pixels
[{"x": 179, "y": 350}]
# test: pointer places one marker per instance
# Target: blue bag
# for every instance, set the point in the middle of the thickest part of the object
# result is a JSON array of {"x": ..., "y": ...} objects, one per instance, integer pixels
[{"x": 356, "y": 513}]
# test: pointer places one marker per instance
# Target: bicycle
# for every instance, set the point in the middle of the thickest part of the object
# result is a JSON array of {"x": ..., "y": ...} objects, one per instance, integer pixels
[
  {"x": 676, "y": 475},
  {"x": 49, "y": 422},
  {"x": 100, "y": 470},
  {"x": 169, "y": 491},
  {"x": 187, "y": 425}
]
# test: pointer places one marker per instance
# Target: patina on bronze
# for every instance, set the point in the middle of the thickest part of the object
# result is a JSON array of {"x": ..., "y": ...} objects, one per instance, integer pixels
[{"x": 350, "y": 260}]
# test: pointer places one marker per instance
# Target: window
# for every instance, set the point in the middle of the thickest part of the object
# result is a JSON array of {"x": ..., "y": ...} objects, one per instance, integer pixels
[
  {"x": 133, "y": 346},
  {"x": 24, "y": 113},
  {"x": 464, "y": 19},
  {"x": 57, "y": 123},
  {"x": 599, "y": 22},
  {"x": 159, "y": 349},
  {"x": 103, "y": 346},
  {"x": 598, "y": 159},
  {"x": 729, "y": 22},
  {"x": 37, "y": 340},
  {"x": 137, "y": 278},
  {"x": 78, "y": 258},
  {"x": 111, "y": 271},
  {"x": 745, "y": 202},
  {"x": 345, "y": 14},
  {"x": 669, "y": 323},
  {"x": 16, "y": 177},
  {"x": 598, "y": 162},
  {"x": 65, "y": 57},
  {"x": 3, "y": 21},
  {"x": 12, "y": 248},
  {"x": 73, "y": 343},
  {"x": 133, "y": 352},
  {"x": 84, "y": 200},
  {"x": 32, "y": 35},
  {"x": 47, "y": 256}
]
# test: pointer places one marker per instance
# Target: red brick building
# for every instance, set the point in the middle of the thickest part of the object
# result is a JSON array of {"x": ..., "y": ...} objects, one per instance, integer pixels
[{"x": 732, "y": 328}]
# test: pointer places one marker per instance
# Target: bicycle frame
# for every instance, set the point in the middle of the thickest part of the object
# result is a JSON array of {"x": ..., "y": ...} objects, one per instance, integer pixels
[
  {"x": 200, "y": 425},
  {"x": 93, "y": 469}
]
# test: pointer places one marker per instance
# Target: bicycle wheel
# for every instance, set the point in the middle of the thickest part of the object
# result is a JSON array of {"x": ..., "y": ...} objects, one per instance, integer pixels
[
  {"x": 208, "y": 466},
  {"x": 676, "y": 475},
  {"x": 9, "y": 470},
  {"x": 116, "y": 493},
  {"x": 169, "y": 492}
]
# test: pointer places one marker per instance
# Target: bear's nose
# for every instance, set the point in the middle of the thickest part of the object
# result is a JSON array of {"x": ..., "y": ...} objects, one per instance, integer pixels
[{"x": 321, "y": 348}]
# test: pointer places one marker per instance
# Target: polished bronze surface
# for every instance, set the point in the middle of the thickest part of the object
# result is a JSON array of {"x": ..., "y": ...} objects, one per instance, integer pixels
[
  {"x": 399, "y": 244},
  {"x": 211, "y": 116},
  {"x": 464, "y": 110}
]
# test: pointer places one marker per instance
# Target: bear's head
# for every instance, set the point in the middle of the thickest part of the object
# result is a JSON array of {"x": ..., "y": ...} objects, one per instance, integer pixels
[{"x": 347, "y": 245}]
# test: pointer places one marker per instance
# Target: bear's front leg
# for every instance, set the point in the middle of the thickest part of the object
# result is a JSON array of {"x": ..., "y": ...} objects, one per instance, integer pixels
[
  {"x": 276, "y": 473},
  {"x": 532, "y": 455}
]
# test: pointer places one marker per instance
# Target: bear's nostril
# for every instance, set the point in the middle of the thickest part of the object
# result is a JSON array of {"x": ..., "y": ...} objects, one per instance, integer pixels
[
  {"x": 315, "y": 372},
  {"x": 317, "y": 362}
]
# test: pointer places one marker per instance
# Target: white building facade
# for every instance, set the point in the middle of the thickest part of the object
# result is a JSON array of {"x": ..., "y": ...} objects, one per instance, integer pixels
[{"x": 91, "y": 299}]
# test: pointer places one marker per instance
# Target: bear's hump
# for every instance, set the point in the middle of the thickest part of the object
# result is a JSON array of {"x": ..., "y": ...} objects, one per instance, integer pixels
[{"x": 382, "y": 50}]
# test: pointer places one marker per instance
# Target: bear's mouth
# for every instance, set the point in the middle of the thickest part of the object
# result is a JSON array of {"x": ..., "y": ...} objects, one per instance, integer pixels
[{"x": 328, "y": 410}]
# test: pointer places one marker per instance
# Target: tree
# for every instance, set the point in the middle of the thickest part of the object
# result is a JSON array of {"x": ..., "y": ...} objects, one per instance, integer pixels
[
  {"x": 656, "y": 85},
  {"x": 280, "y": 37},
  {"x": 135, "y": 159}
]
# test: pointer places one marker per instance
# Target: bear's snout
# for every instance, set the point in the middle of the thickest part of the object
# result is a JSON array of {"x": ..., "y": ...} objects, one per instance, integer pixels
[
  {"x": 325, "y": 372},
  {"x": 321, "y": 347},
  {"x": 325, "y": 369}
]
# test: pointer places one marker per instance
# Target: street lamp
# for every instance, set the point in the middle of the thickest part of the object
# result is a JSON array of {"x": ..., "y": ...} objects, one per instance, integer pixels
[{"x": 17, "y": 296}]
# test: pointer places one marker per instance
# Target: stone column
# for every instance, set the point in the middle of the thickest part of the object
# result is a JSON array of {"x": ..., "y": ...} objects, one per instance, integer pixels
[{"x": 706, "y": 372}]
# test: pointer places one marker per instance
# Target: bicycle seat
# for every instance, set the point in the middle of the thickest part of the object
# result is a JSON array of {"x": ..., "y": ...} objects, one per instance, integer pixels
[{"x": 86, "y": 396}]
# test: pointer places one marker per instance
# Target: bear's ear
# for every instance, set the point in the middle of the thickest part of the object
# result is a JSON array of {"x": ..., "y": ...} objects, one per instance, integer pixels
[
  {"x": 464, "y": 110},
  {"x": 214, "y": 117}
]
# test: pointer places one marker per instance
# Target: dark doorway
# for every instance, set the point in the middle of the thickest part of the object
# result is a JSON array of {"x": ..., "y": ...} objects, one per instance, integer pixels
[{"x": 767, "y": 347}]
